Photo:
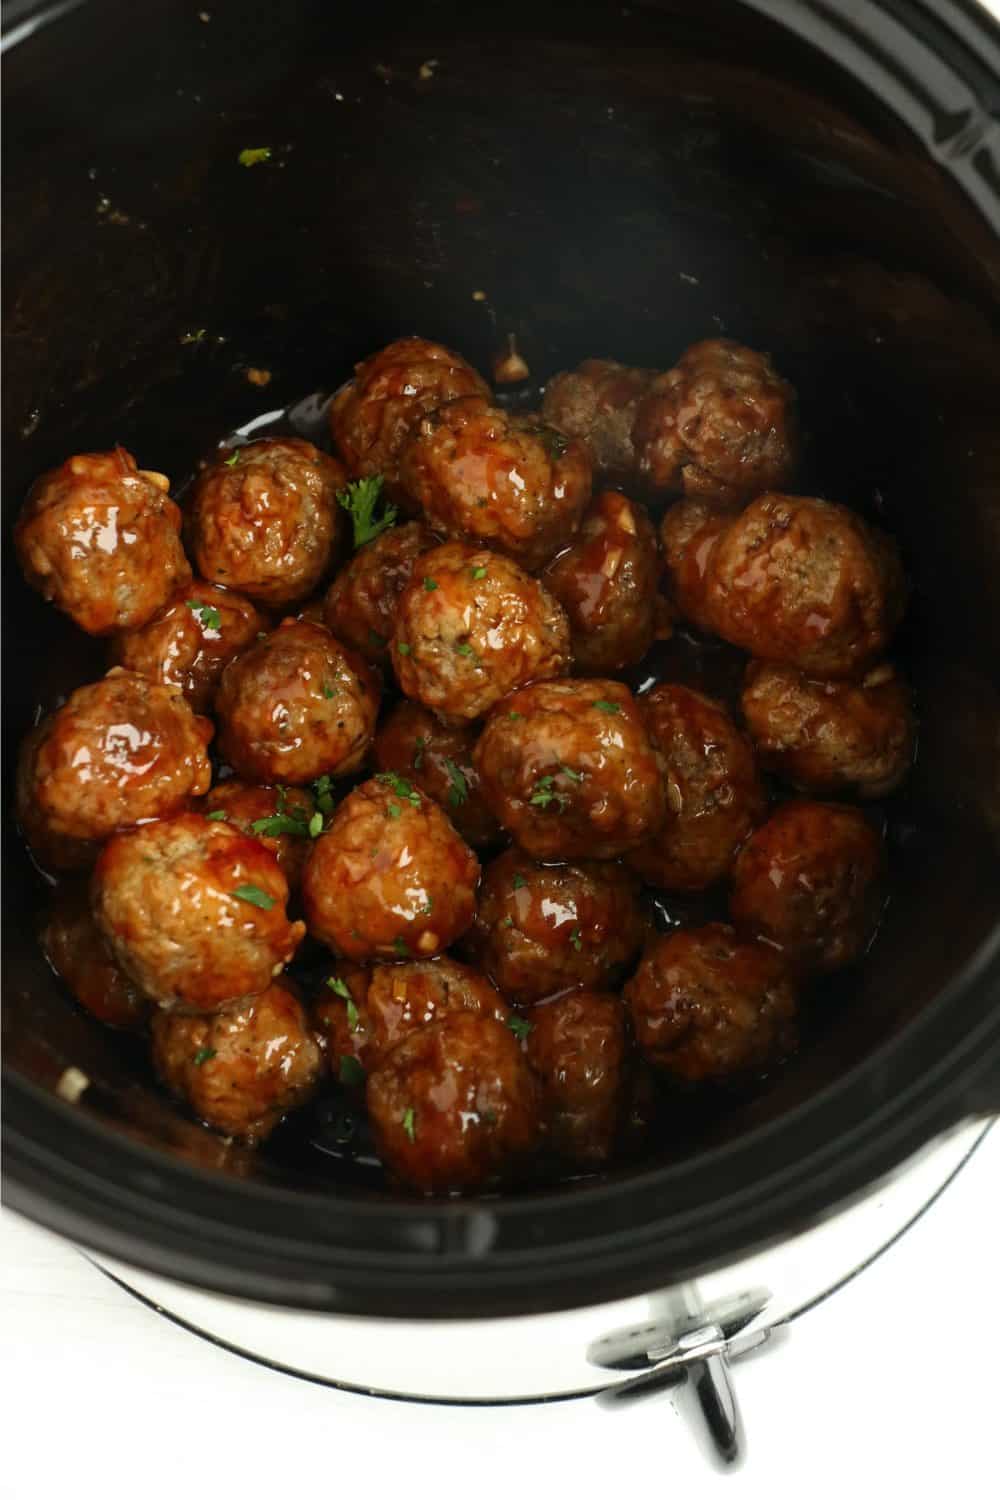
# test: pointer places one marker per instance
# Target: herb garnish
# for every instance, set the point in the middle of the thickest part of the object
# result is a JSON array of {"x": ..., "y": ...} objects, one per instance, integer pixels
[
  {"x": 409, "y": 1124},
  {"x": 352, "y": 1014},
  {"x": 254, "y": 896},
  {"x": 399, "y": 945},
  {"x": 606, "y": 706},
  {"x": 400, "y": 786},
  {"x": 360, "y": 500},
  {"x": 430, "y": 584},
  {"x": 403, "y": 648},
  {"x": 576, "y": 940},
  {"x": 458, "y": 792},
  {"x": 203, "y": 1055},
  {"x": 207, "y": 614},
  {"x": 521, "y": 1029},
  {"x": 338, "y": 986},
  {"x": 479, "y": 572},
  {"x": 219, "y": 816},
  {"x": 234, "y": 458},
  {"x": 519, "y": 881},
  {"x": 322, "y": 791},
  {"x": 543, "y": 794},
  {"x": 418, "y": 754},
  {"x": 251, "y": 155}
]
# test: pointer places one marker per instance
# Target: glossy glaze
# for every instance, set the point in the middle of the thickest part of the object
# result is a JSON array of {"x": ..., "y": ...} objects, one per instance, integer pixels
[
  {"x": 245, "y": 803},
  {"x": 437, "y": 758},
  {"x": 360, "y": 604},
  {"x": 688, "y": 533},
  {"x": 598, "y": 402},
  {"x": 580, "y": 1047},
  {"x": 78, "y": 951}
]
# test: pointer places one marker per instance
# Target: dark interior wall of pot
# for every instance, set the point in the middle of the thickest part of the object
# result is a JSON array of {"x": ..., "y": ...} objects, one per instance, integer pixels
[{"x": 616, "y": 182}]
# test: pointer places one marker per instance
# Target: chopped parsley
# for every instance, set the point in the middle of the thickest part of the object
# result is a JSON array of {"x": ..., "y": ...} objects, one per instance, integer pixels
[
  {"x": 553, "y": 442},
  {"x": 403, "y": 649},
  {"x": 418, "y": 753},
  {"x": 281, "y": 822},
  {"x": 543, "y": 795},
  {"x": 203, "y": 1055},
  {"x": 233, "y": 459},
  {"x": 351, "y": 1073},
  {"x": 352, "y": 1014},
  {"x": 606, "y": 706},
  {"x": 514, "y": 714},
  {"x": 521, "y": 1029},
  {"x": 219, "y": 816},
  {"x": 207, "y": 614},
  {"x": 426, "y": 910},
  {"x": 361, "y": 500},
  {"x": 464, "y": 649},
  {"x": 458, "y": 791},
  {"x": 254, "y": 896},
  {"x": 394, "y": 810},
  {"x": 400, "y": 948},
  {"x": 519, "y": 881},
  {"x": 251, "y": 156},
  {"x": 409, "y": 1124},
  {"x": 315, "y": 825},
  {"x": 322, "y": 791},
  {"x": 568, "y": 771},
  {"x": 328, "y": 691},
  {"x": 430, "y": 584},
  {"x": 339, "y": 987},
  {"x": 576, "y": 940},
  {"x": 479, "y": 572},
  {"x": 400, "y": 786}
]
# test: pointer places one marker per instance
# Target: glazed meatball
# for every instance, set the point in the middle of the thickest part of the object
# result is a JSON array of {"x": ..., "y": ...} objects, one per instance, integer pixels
[
  {"x": 391, "y": 878},
  {"x": 714, "y": 795},
  {"x": 194, "y": 911},
  {"x": 688, "y": 533},
  {"x": 568, "y": 769},
  {"x": 266, "y": 521},
  {"x": 470, "y": 627},
  {"x": 340, "y": 1017},
  {"x": 719, "y": 426},
  {"x": 506, "y": 482},
  {"x": 831, "y": 736},
  {"x": 607, "y": 581},
  {"x": 373, "y": 415},
  {"x": 454, "y": 1107},
  {"x": 76, "y": 948},
  {"x": 188, "y": 643},
  {"x": 280, "y": 816},
  {"x": 402, "y": 997},
  {"x": 118, "y": 752},
  {"x": 543, "y": 928},
  {"x": 707, "y": 1004},
  {"x": 598, "y": 402},
  {"x": 296, "y": 706},
  {"x": 240, "y": 1071},
  {"x": 437, "y": 758},
  {"x": 809, "y": 882},
  {"x": 578, "y": 1046},
  {"x": 100, "y": 538},
  {"x": 360, "y": 606}
]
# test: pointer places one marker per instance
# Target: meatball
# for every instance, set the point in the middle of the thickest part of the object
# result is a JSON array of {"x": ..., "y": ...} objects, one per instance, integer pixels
[
  {"x": 284, "y": 818},
  {"x": 100, "y": 538},
  {"x": 543, "y": 928},
  {"x": 496, "y": 480},
  {"x": 470, "y": 627},
  {"x": 372, "y": 416},
  {"x": 296, "y": 706},
  {"x": 402, "y": 997},
  {"x": 568, "y": 769},
  {"x": 578, "y": 1046},
  {"x": 360, "y": 606},
  {"x": 118, "y": 752},
  {"x": 607, "y": 581},
  {"x": 688, "y": 532},
  {"x": 831, "y": 736},
  {"x": 76, "y": 948},
  {"x": 807, "y": 582},
  {"x": 391, "y": 878},
  {"x": 598, "y": 402},
  {"x": 188, "y": 643},
  {"x": 454, "y": 1107},
  {"x": 719, "y": 426},
  {"x": 809, "y": 883},
  {"x": 714, "y": 795},
  {"x": 707, "y": 1004},
  {"x": 342, "y": 1025},
  {"x": 266, "y": 521},
  {"x": 240, "y": 1071},
  {"x": 194, "y": 911},
  {"x": 437, "y": 758}
]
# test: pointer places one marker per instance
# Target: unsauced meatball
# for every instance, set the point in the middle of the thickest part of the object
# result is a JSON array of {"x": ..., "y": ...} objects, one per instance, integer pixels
[
  {"x": 360, "y": 606},
  {"x": 470, "y": 627},
  {"x": 809, "y": 882},
  {"x": 391, "y": 878},
  {"x": 100, "y": 538},
  {"x": 500, "y": 481},
  {"x": 598, "y": 402},
  {"x": 579, "y": 1045},
  {"x": 707, "y": 1004},
  {"x": 76, "y": 948},
  {"x": 828, "y": 736},
  {"x": 720, "y": 425},
  {"x": 437, "y": 758},
  {"x": 188, "y": 643},
  {"x": 277, "y": 815},
  {"x": 194, "y": 911},
  {"x": 807, "y": 582},
  {"x": 714, "y": 795},
  {"x": 266, "y": 520},
  {"x": 374, "y": 414},
  {"x": 543, "y": 928},
  {"x": 608, "y": 582},
  {"x": 296, "y": 706},
  {"x": 568, "y": 769},
  {"x": 688, "y": 532},
  {"x": 454, "y": 1107},
  {"x": 241, "y": 1070}
]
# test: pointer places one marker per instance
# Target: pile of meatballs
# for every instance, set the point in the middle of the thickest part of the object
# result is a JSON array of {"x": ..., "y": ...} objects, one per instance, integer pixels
[{"x": 370, "y": 704}]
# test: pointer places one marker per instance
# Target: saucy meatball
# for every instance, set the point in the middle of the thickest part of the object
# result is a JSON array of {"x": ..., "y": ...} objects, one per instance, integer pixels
[
  {"x": 809, "y": 883},
  {"x": 831, "y": 736},
  {"x": 454, "y": 1107},
  {"x": 470, "y": 627},
  {"x": 391, "y": 878},
  {"x": 598, "y": 402},
  {"x": 372, "y": 416},
  {"x": 707, "y": 1004},
  {"x": 543, "y": 928},
  {"x": 100, "y": 538},
  {"x": 437, "y": 758},
  {"x": 501, "y": 481},
  {"x": 568, "y": 769},
  {"x": 688, "y": 532},
  {"x": 76, "y": 948},
  {"x": 719, "y": 426},
  {"x": 266, "y": 521},
  {"x": 194, "y": 911},
  {"x": 578, "y": 1046},
  {"x": 280, "y": 816},
  {"x": 240, "y": 1071},
  {"x": 296, "y": 706},
  {"x": 402, "y": 997},
  {"x": 340, "y": 1016},
  {"x": 714, "y": 795},
  {"x": 187, "y": 644},
  {"x": 607, "y": 581},
  {"x": 360, "y": 606}
]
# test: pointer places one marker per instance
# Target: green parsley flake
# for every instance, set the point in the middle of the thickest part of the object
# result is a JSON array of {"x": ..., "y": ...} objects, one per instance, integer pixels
[
  {"x": 479, "y": 573},
  {"x": 233, "y": 459},
  {"x": 400, "y": 948},
  {"x": 403, "y": 649},
  {"x": 606, "y": 706},
  {"x": 400, "y": 786},
  {"x": 219, "y": 816},
  {"x": 464, "y": 649},
  {"x": 543, "y": 794},
  {"x": 339, "y": 987},
  {"x": 254, "y": 896},
  {"x": 514, "y": 714},
  {"x": 576, "y": 940},
  {"x": 394, "y": 810},
  {"x": 315, "y": 825},
  {"x": 519, "y": 881},
  {"x": 251, "y": 156},
  {"x": 351, "y": 1073},
  {"x": 521, "y": 1029},
  {"x": 430, "y": 584},
  {"x": 279, "y": 823},
  {"x": 327, "y": 690},
  {"x": 352, "y": 1014},
  {"x": 418, "y": 754},
  {"x": 203, "y": 1055},
  {"x": 409, "y": 1124},
  {"x": 322, "y": 790},
  {"x": 426, "y": 910},
  {"x": 568, "y": 771},
  {"x": 206, "y": 613},
  {"x": 361, "y": 500},
  {"x": 458, "y": 792}
]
